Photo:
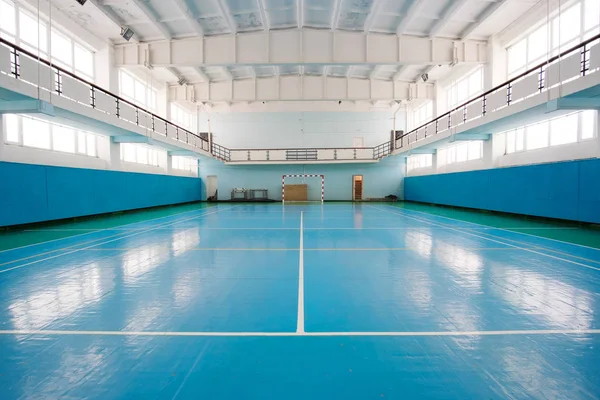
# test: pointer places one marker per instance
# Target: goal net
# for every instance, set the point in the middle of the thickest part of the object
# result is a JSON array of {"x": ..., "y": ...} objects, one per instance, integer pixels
[{"x": 295, "y": 188}]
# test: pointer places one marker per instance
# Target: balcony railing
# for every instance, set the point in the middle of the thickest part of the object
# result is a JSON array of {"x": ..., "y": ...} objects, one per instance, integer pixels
[
  {"x": 26, "y": 67},
  {"x": 303, "y": 154},
  {"x": 569, "y": 65}
]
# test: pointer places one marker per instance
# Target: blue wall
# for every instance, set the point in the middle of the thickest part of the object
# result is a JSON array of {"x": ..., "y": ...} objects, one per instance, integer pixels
[
  {"x": 380, "y": 179},
  {"x": 566, "y": 190},
  {"x": 34, "y": 193}
]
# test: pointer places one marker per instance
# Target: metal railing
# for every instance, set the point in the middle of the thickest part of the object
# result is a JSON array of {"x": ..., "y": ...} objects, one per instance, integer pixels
[
  {"x": 220, "y": 152},
  {"x": 331, "y": 154},
  {"x": 570, "y": 64},
  {"x": 28, "y": 67},
  {"x": 382, "y": 150}
]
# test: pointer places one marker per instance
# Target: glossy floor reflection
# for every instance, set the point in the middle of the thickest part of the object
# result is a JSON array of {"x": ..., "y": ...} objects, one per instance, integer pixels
[{"x": 398, "y": 303}]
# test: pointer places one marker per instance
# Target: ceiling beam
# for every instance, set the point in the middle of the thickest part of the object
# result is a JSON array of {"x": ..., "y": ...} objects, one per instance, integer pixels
[
  {"x": 250, "y": 49},
  {"x": 193, "y": 21},
  {"x": 488, "y": 12},
  {"x": 300, "y": 13},
  {"x": 227, "y": 73},
  {"x": 350, "y": 71},
  {"x": 114, "y": 18},
  {"x": 375, "y": 71},
  {"x": 262, "y": 8},
  {"x": 335, "y": 15},
  {"x": 399, "y": 72},
  {"x": 372, "y": 15},
  {"x": 202, "y": 74},
  {"x": 226, "y": 15},
  {"x": 162, "y": 28},
  {"x": 449, "y": 13},
  {"x": 411, "y": 13}
]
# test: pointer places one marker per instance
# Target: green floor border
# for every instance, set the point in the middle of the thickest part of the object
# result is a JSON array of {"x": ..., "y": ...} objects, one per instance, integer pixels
[
  {"x": 566, "y": 231},
  {"x": 24, "y": 235}
]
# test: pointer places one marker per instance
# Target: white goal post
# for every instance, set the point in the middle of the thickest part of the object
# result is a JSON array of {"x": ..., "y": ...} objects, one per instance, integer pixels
[{"x": 303, "y": 176}]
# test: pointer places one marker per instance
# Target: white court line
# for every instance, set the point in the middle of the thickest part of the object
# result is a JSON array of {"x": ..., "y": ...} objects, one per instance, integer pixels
[
  {"x": 98, "y": 244},
  {"x": 498, "y": 241},
  {"x": 300, "y": 334},
  {"x": 90, "y": 241},
  {"x": 273, "y": 229},
  {"x": 100, "y": 230},
  {"x": 506, "y": 229},
  {"x": 300, "y": 324}
]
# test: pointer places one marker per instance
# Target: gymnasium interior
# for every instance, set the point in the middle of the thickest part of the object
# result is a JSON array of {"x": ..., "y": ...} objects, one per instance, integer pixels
[{"x": 299, "y": 199}]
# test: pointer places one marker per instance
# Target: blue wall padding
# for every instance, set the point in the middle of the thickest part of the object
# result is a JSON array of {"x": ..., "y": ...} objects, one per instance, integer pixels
[
  {"x": 34, "y": 193},
  {"x": 565, "y": 190}
]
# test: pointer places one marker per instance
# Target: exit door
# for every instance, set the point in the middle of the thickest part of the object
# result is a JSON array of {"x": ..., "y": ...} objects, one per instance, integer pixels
[
  {"x": 357, "y": 188},
  {"x": 211, "y": 188}
]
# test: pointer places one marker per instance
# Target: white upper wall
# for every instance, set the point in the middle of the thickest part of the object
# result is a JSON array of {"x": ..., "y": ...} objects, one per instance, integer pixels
[{"x": 301, "y": 129}]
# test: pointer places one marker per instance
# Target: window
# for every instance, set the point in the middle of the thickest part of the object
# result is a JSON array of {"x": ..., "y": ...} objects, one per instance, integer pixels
[
  {"x": 418, "y": 161},
  {"x": 465, "y": 88},
  {"x": 7, "y": 20},
  {"x": 84, "y": 61},
  {"x": 183, "y": 118},
  {"x": 588, "y": 123},
  {"x": 137, "y": 91},
  {"x": 11, "y": 123},
  {"x": 62, "y": 49},
  {"x": 141, "y": 154},
  {"x": 184, "y": 163},
  {"x": 423, "y": 114},
  {"x": 33, "y": 132},
  {"x": 36, "y": 133},
  {"x": 63, "y": 139},
  {"x": 460, "y": 152},
  {"x": 33, "y": 35},
  {"x": 536, "y": 136},
  {"x": 566, "y": 129},
  {"x": 565, "y": 29}
]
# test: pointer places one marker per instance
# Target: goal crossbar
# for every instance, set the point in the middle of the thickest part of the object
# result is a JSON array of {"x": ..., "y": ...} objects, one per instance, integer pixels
[{"x": 303, "y": 176}]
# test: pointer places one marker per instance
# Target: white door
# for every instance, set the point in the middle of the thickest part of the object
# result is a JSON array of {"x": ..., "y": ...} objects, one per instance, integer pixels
[{"x": 211, "y": 187}]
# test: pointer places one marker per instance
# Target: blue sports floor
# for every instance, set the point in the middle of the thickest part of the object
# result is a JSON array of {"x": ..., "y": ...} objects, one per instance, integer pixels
[{"x": 337, "y": 301}]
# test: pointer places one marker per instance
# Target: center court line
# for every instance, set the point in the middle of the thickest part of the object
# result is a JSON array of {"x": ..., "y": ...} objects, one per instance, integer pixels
[
  {"x": 300, "y": 324},
  {"x": 302, "y": 334},
  {"x": 497, "y": 241},
  {"x": 109, "y": 241}
]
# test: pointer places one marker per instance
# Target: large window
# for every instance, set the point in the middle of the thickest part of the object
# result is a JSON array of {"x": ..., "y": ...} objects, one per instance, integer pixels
[
  {"x": 418, "y": 161},
  {"x": 137, "y": 91},
  {"x": 465, "y": 88},
  {"x": 33, "y": 35},
  {"x": 572, "y": 25},
  {"x": 32, "y": 132},
  {"x": 184, "y": 163},
  {"x": 567, "y": 129},
  {"x": 460, "y": 152},
  {"x": 422, "y": 114},
  {"x": 141, "y": 154},
  {"x": 183, "y": 118}
]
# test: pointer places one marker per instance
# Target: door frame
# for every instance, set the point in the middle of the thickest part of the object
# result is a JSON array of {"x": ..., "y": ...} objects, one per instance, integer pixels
[{"x": 362, "y": 189}]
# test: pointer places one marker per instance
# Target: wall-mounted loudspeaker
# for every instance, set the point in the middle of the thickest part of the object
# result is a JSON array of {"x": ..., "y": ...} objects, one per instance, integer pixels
[{"x": 82, "y": 2}]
